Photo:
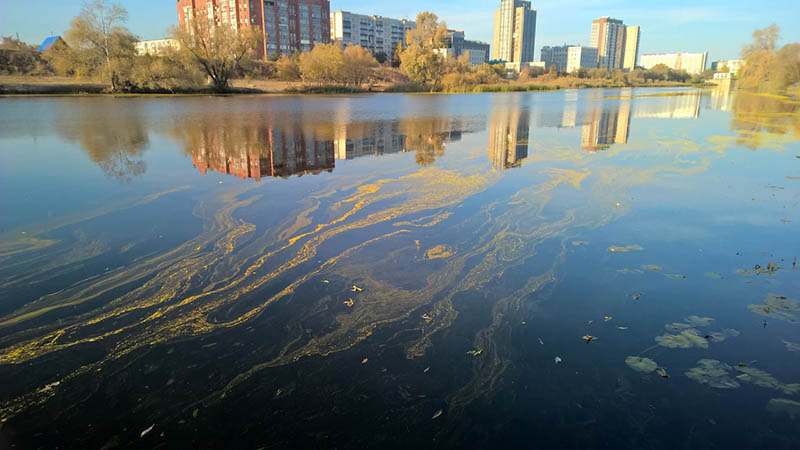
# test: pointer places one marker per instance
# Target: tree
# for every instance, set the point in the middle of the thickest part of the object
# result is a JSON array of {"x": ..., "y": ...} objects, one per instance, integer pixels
[
  {"x": 358, "y": 64},
  {"x": 381, "y": 57},
  {"x": 217, "y": 49},
  {"x": 323, "y": 64},
  {"x": 420, "y": 60},
  {"x": 99, "y": 44},
  {"x": 764, "y": 39},
  {"x": 288, "y": 69},
  {"x": 396, "y": 55}
]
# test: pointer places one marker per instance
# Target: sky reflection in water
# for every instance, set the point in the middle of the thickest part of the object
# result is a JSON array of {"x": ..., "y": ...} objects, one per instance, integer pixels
[{"x": 197, "y": 264}]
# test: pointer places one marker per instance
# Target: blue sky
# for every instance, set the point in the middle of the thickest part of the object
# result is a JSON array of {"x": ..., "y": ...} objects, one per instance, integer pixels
[{"x": 719, "y": 27}]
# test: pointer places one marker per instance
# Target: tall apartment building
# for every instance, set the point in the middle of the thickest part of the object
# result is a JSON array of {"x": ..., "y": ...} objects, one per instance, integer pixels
[
  {"x": 693, "y": 63},
  {"x": 631, "y": 54},
  {"x": 509, "y": 131},
  {"x": 734, "y": 65},
  {"x": 514, "y": 32},
  {"x": 375, "y": 33},
  {"x": 617, "y": 45},
  {"x": 455, "y": 45},
  {"x": 286, "y": 26},
  {"x": 555, "y": 56},
  {"x": 580, "y": 57}
]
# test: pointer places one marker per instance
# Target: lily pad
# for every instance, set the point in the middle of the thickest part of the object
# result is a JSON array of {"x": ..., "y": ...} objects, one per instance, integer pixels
[
  {"x": 765, "y": 379},
  {"x": 627, "y": 271},
  {"x": 674, "y": 341},
  {"x": 778, "y": 307},
  {"x": 625, "y": 249},
  {"x": 697, "y": 321},
  {"x": 676, "y": 326},
  {"x": 792, "y": 347},
  {"x": 638, "y": 364},
  {"x": 784, "y": 406},
  {"x": 713, "y": 373}
]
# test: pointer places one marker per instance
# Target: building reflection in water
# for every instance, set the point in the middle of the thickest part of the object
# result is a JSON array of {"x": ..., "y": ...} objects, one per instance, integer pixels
[
  {"x": 509, "y": 131},
  {"x": 274, "y": 146}
]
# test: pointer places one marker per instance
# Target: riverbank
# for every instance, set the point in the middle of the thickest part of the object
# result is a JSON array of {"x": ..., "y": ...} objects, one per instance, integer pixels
[{"x": 31, "y": 85}]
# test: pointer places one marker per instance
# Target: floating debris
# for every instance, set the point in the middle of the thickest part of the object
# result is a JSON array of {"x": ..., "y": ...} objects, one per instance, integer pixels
[
  {"x": 325, "y": 281},
  {"x": 713, "y": 275},
  {"x": 784, "y": 406},
  {"x": 349, "y": 302},
  {"x": 630, "y": 271},
  {"x": 713, "y": 373},
  {"x": 195, "y": 413},
  {"x": 744, "y": 272},
  {"x": 364, "y": 361},
  {"x": 144, "y": 433},
  {"x": 558, "y": 360},
  {"x": 439, "y": 251},
  {"x": 652, "y": 267},
  {"x": 427, "y": 369},
  {"x": 636, "y": 296},
  {"x": 765, "y": 379},
  {"x": 475, "y": 352},
  {"x": 540, "y": 341},
  {"x": 622, "y": 328},
  {"x": 640, "y": 364},
  {"x": 625, "y": 249},
  {"x": 589, "y": 338},
  {"x": 49, "y": 387},
  {"x": 437, "y": 414},
  {"x": 356, "y": 288},
  {"x": 579, "y": 243},
  {"x": 785, "y": 220},
  {"x": 792, "y": 347},
  {"x": 607, "y": 318},
  {"x": 662, "y": 372},
  {"x": 427, "y": 317},
  {"x": 677, "y": 276}
]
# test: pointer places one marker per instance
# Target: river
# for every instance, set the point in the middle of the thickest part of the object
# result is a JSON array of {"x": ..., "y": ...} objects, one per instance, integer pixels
[{"x": 576, "y": 269}]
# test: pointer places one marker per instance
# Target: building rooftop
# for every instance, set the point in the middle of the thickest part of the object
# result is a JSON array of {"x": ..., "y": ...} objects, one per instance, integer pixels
[{"x": 48, "y": 42}]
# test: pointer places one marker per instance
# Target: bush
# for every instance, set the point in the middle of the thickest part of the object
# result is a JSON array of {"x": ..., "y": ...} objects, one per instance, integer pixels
[{"x": 287, "y": 69}]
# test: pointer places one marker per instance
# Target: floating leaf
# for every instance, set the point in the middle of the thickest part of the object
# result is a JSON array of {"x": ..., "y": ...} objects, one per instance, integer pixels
[
  {"x": 674, "y": 341},
  {"x": 713, "y": 275},
  {"x": 630, "y": 271},
  {"x": 765, "y": 379},
  {"x": 662, "y": 372},
  {"x": 792, "y": 347},
  {"x": 698, "y": 321},
  {"x": 713, "y": 373},
  {"x": 677, "y": 276},
  {"x": 475, "y": 352},
  {"x": 784, "y": 406},
  {"x": 349, "y": 302},
  {"x": 579, "y": 243},
  {"x": 356, "y": 288},
  {"x": 652, "y": 267},
  {"x": 589, "y": 338},
  {"x": 639, "y": 364},
  {"x": 558, "y": 360},
  {"x": 437, "y": 414},
  {"x": 625, "y": 249}
]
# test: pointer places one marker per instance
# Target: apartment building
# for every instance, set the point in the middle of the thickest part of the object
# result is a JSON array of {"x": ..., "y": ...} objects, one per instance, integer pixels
[
  {"x": 286, "y": 26},
  {"x": 617, "y": 44},
  {"x": 375, "y": 33},
  {"x": 580, "y": 57},
  {"x": 456, "y": 45},
  {"x": 514, "y": 32},
  {"x": 155, "y": 46},
  {"x": 693, "y": 63},
  {"x": 734, "y": 66},
  {"x": 555, "y": 56}
]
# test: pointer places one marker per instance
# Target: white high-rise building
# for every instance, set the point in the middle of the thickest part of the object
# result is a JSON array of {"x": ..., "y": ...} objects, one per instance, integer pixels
[
  {"x": 579, "y": 57},
  {"x": 693, "y": 63},
  {"x": 375, "y": 33},
  {"x": 617, "y": 45}
]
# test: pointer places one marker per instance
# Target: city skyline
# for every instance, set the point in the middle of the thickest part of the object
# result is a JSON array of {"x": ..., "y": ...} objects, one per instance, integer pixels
[{"x": 717, "y": 27}]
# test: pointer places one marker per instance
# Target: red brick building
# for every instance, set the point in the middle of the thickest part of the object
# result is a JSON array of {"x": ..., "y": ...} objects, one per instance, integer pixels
[{"x": 286, "y": 26}]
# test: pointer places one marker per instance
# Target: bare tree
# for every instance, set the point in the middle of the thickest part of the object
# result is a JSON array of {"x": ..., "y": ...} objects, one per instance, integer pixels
[
  {"x": 100, "y": 41},
  {"x": 763, "y": 39},
  {"x": 218, "y": 49}
]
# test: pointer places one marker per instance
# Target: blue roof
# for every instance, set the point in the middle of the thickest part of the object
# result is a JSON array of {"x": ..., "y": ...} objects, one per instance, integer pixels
[{"x": 48, "y": 43}]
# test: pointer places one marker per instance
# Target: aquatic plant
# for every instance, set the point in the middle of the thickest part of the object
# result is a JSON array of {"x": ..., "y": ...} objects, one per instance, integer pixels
[
  {"x": 713, "y": 373},
  {"x": 765, "y": 379},
  {"x": 777, "y": 307},
  {"x": 640, "y": 364},
  {"x": 784, "y": 406}
]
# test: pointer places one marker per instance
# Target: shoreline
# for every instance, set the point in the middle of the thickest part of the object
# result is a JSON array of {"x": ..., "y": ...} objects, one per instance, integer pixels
[{"x": 25, "y": 86}]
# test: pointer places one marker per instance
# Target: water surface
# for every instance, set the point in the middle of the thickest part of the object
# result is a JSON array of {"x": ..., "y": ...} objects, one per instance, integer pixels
[{"x": 401, "y": 270}]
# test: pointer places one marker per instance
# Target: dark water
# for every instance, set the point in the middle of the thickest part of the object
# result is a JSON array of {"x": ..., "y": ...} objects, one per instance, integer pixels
[{"x": 180, "y": 272}]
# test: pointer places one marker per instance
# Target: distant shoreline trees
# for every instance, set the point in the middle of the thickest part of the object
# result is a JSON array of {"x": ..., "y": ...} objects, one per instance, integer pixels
[{"x": 767, "y": 68}]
